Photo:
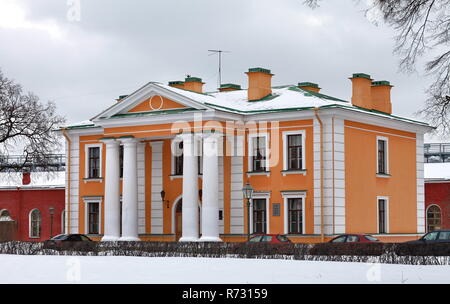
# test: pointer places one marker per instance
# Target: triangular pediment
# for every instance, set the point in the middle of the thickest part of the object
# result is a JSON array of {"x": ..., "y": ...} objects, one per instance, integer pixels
[
  {"x": 157, "y": 103},
  {"x": 151, "y": 98}
]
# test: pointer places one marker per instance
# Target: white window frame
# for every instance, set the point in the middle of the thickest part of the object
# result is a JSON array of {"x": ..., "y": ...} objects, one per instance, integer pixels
[
  {"x": 285, "y": 149},
  {"x": 86, "y": 160},
  {"x": 63, "y": 221},
  {"x": 250, "y": 150},
  {"x": 87, "y": 201},
  {"x": 266, "y": 196},
  {"x": 386, "y": 199},
  {"x": 386, "y": 140},
  {"x": 178, "y": 140},
  {"x": 426, "y": 215},
  {"x": 29, "y": 224},
  {"x": 286, "y": 197}
]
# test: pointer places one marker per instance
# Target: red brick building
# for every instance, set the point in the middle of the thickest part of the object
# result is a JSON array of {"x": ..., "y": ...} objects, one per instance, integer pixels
[
  {"x": 437, "y": 196},
  {"x": 36, "y": 206}
]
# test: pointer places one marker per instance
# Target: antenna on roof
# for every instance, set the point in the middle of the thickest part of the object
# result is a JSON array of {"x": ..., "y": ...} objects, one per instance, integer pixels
[{"x": 219, "y": 52}]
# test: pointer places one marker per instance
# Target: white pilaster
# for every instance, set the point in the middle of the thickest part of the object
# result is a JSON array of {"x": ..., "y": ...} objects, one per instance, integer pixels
[
  {"x": 210, "y": 204},
  {"x": 420, "y": 184},
  {"x": 112, "y": 199},
  {"x": 157, "y": 187},
  {"x": 190, "y": 217},
  {"x": 130, "y": 194}
]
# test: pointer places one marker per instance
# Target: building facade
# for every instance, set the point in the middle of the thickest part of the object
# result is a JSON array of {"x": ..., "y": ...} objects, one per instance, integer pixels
[
  {"x": 33, "y": 205},
  {"x": 168, "y": 163},
  {"x": 437, "y": 193}
]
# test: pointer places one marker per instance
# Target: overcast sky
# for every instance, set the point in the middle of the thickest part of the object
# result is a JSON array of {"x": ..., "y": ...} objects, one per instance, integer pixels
[{"x": 117, "y": 46}]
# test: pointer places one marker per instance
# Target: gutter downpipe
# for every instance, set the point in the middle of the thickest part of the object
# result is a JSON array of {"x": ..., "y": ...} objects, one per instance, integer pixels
[
  {"x": 322, "y": 235},
  {"x": 69, "y": 142}
]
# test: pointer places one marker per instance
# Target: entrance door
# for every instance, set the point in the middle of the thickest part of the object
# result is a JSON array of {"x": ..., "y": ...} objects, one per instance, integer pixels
[{"x": 178, "y": 221}]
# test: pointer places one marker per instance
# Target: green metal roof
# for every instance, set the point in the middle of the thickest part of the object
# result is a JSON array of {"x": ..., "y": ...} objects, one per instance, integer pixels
[
  {"x": 176, "y": 82},
  {"x": 193, "y": 79},
  {"x": 260, "y": 70},
  {"x": 381, "y": 83},
  {"x": 362, "y": 75},
  {"x": 160, "y": 112},
  {"x": 230, "y": 86},
  {"x": 308, "y": 84}
]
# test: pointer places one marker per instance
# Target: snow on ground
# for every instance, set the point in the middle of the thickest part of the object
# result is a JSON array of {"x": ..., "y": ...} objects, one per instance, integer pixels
[{"x": 64, "y": 269}]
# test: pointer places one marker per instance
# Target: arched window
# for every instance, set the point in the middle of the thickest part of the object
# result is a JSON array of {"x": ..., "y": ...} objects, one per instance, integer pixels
[
  {"x": 63, "y": 222},
  {"x": 4, "y": 216},
  {"x": 35, "y": 223},
  {"x": 434, "y": 218}
]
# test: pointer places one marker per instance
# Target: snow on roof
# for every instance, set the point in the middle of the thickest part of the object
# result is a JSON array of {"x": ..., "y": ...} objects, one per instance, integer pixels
[
  {"x": 437, "y": 171},
  {"x": 282, "y": 98},
  {"x": 38, "y": 180}
]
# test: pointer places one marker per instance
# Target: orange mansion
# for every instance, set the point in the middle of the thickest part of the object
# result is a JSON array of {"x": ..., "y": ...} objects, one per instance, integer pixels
[{"x": 169, "y": 163}]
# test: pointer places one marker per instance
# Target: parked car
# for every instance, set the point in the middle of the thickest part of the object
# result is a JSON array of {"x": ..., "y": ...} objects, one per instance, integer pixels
[
  {"x": 438, "y": 236},
  {"x": 68, "y": 241},
  {"x": 355, "y": 238},
  {"x": 270, "y": 238},
  {"x": 264, "y": 244}
]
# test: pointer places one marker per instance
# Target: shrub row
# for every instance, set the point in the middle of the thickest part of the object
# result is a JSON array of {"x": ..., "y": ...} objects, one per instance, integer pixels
[{"x": 411, "y": 254}]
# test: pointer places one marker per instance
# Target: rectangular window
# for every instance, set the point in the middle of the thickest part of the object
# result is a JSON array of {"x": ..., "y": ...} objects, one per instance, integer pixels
[
  {"x": 295, "y": 216},
  {"x": 259, "y": 216},
  {"x": 93, "y": 218},
  {"x": 94, "y": 162},
  {"x": 382, "y": 156},
  {"x": 294, "y": 152},
  {"x": 259, "y": 154},
  {"x": 121, "y": 161},
  {"x": 382, "y": 216},
  {"x": 178, "y": 160}
]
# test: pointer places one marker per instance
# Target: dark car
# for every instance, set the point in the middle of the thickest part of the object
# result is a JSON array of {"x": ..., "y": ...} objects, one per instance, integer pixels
[
  {"x": 270, "y": 238},
  {"x": 438, "y": 236},
  {"x": 68, "y": 241},
  {"x": 355, "y": 238}
]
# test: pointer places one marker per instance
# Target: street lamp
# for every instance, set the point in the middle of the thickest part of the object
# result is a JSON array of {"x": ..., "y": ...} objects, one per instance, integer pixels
[
  {"x": 248, "y": 193},
  {"x": 163, "y": 196},
  {"x": 52, "y": 212}
]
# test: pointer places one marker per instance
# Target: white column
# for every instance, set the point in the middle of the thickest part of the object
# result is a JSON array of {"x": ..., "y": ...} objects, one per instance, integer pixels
[
  {"x": 112, "y": 199},
  {"x": 210, "y": 200},
  {"x": 130, "y": 191},
  {"x": 190, "y": 217}
]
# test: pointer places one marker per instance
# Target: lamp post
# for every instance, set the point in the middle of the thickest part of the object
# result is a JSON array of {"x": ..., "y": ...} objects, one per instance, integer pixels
[
  {"x": 163, "y": 196},
  {"x": 52, "y": 212},
  {"x": 248, "y": 193}
]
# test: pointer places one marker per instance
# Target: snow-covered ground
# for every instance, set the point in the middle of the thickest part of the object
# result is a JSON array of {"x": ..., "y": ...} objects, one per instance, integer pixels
[{"x": 63, "y": 269}]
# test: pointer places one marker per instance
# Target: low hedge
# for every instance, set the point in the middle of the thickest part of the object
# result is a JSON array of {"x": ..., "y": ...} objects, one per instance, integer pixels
[{"x": 411, "y": 254}]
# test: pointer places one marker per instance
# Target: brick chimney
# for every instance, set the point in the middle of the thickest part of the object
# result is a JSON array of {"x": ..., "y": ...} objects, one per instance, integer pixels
[
  {"x": 193, "y": 84},
  {"x": 259, "y": 83},
  {"x": 26, "y": 178},
  {"x": 227, "y": 87},
  {"x": 381, "y": 96},
  {"x": 309, "y": 86},
  {"x": 362, "y": 89},
  {"x": 177, "y": 84}
]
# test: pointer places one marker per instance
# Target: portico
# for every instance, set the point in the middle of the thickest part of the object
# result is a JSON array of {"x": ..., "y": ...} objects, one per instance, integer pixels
[{"x": 194, "y": 145}]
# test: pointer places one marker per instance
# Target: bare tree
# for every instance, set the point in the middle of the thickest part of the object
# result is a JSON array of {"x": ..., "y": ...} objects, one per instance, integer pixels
[
  {"x": 26, "y": 127},
  {"x": 422, "y": 30}
]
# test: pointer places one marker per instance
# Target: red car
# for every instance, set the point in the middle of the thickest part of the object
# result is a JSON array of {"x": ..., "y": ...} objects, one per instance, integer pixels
[
  {"x": 270, "y": 238},
  {"x": 355, "y": 238}
]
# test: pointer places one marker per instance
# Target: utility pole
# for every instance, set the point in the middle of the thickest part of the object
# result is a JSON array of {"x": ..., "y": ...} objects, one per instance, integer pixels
[{"x": 219, "y": 52}]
